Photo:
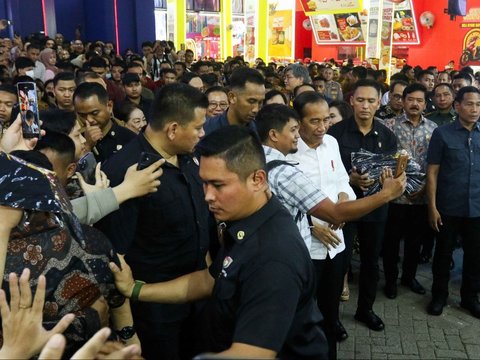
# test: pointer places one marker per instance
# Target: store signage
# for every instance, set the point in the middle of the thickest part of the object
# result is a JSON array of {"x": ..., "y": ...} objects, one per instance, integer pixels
[
  {"x": 472, "y": 19},
  {"x": 318, "y": 7},
  {"x": 339, "y": 28},
  {"x": 405, "y": 29},
  {"x": 386, "y": 38},
  {"x": 374, "y": 24}
]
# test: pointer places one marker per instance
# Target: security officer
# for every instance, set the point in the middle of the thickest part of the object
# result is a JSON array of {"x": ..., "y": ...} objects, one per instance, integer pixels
[
  {"x": 94, "y": 109},
  {"x": 262, "y": 282}
]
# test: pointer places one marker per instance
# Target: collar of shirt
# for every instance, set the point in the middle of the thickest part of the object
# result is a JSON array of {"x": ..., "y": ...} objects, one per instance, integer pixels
[
  {"x": 149, "y": 148},
  {"x": 404, "y": 119},
  {"x": 241, "y": 230},
  {"x": 353, "y": 127},
  {"x": 273, "y": 154},
  {"x": 113, "y": 130},
  {"x": 458, "y": 126}
]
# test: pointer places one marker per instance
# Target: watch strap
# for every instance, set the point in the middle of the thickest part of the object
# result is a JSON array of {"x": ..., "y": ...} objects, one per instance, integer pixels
[{"x": 136, "y": 290}]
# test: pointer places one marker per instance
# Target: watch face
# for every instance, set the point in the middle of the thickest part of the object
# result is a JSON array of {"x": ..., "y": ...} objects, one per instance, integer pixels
[{"x": 126, "y": 333}]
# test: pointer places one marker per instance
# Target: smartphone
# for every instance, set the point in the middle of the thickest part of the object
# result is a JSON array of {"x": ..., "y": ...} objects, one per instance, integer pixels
[
  {"x": 147, "y": 159},
  {"x": 28, "y": 107},
  {"x": 86, "y": 166},
  {"x": 401, "y": 165}
]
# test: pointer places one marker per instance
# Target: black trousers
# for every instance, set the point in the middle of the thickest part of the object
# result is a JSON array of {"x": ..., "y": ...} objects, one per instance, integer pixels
[
  {"x": 177, "y": 340},
  {"x": 330, "y": 275},
  {"x": 469, "y": 231},
  {"x": 409, "y": 222},
  {"x": 370, "y": 237},
  {"x": 349, "y": 232}
]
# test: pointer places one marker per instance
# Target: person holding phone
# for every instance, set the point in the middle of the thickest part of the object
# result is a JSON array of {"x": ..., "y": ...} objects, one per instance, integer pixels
[{"x": 166, "y": 234}]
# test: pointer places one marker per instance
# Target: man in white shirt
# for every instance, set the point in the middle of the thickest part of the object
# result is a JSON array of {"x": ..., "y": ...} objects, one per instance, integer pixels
[
  {"x": 33, "y": 53},
  {"x": 278, "y": 129}
]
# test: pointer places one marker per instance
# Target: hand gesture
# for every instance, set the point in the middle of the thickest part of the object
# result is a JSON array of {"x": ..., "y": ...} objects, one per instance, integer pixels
[
  {"x": 327, "y": 236},
  {"x": 95, "y": 348},
  {"x": 123, "y": 278},
  {"x": 101, "y": 181},
  {"x": 23, "y": 333},
  {"x": 362, "y": 181},
  {"x": 145, "y": 181},
  {"x": 93, "y": 134},
  {"x": 393, "y": 186},
  {"x": 13, "y": 139}
]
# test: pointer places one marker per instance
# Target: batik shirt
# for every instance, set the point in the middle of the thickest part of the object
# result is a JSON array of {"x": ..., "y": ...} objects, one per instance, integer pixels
[{"x": 415, "y": 141}]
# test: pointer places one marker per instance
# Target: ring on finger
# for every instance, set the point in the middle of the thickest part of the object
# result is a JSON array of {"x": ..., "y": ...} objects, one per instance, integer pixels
[{"x": 21, "y": 306}]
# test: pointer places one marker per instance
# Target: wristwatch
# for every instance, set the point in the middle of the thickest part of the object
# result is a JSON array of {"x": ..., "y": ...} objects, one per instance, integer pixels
[{"x": 126, "y": 333}]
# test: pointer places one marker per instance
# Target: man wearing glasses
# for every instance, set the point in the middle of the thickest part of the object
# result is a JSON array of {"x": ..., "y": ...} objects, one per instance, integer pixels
[
  {"x": 394, "y": 107},
  {"x": 217, "y": 100},
  {"x": 245, "y": 98}
]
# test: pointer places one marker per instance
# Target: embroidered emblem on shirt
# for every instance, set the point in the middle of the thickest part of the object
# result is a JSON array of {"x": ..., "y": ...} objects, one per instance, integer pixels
[
  {"x": 119, "y": 147},
  {"x": 227, "y": 262},
  {"x": 240, "y": 235}
]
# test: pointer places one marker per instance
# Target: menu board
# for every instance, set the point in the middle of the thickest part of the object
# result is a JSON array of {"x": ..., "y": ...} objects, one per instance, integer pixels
[
  {"x": 405, "y": 30},
  {"x": 319, "y": 7},
  {"x": 339, "y": 28}
]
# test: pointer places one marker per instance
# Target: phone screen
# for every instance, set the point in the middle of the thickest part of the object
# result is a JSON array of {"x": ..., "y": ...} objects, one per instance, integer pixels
[
  {"x": 86, "y": 166},
  {"x": 28, "y": 107}
]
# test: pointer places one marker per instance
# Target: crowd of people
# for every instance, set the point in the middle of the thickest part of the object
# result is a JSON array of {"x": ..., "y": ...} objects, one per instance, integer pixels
[{"x": 221, "y": 207}]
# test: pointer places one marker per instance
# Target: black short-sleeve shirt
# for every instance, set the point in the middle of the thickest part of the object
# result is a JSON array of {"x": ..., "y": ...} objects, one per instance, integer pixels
[
  {"x": 264, "y": 288},
  {"x": 165, "y": 234},
  {"x": 380, "y": 140},
  {"x": 114, "y": 140}
]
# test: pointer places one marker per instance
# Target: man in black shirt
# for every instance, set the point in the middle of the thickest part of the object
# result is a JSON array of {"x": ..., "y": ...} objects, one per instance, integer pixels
[
  {"x": 94, "y": 109},
  {"x": 363, "y": 132},
  {"x": 166, "y": 234},
  {"x": 262, "y": 282}
]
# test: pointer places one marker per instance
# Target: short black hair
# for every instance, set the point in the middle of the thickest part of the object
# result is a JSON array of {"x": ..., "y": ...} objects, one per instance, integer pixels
[
  {"x": 89, "y": 89},
  {"x": 273, "y": 116},
  {"x": 367, "y": 83},
  {"x": 9, "y": 89},
  {"x": 465, "y": 90},
  {"x": 240, "y": 76},
  {"x": 59, "y": 143},
  {"x": 360, "y": 72},
  {"x": 272, "y": 93},
  {"x": 299, "y": 86},
  {"x": 166, "y": 71},
  {"x": 23, "y": 62},
  {"x": 58, "y": 121},
  {"x": 398, "y": 82},
  {"x": 34, "y": 157},
  {"x": 97, "y": 61},
  {"x": 344, "y": 108},
  {"x": 448, "y": 85},
  {"x": 176, "y": 102},
  {"x": 123, "y": 111},
  {"x": 188, "y": 76},
  {"x": 305, "y": 98},
  {"x": 465, "y": 76},
  {"x": 238, "y": 146},
  {"x": 63, "y": 76},
  {"x": 216, "y": 89},
  {"x": 415, "y": 87},
  {"x": 182, "y": 64},
  {"x": 209, "y": 79},
  {"x": 422, "y": 73},
  {"x": 34, "y": 45}
]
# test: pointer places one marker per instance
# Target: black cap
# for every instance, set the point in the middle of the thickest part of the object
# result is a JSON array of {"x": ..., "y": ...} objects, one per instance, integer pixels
[{"x": 129, "y": 78}]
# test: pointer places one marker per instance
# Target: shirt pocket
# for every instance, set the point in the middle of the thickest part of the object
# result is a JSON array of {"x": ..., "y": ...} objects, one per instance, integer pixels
[{"x": 457, "y": 153}]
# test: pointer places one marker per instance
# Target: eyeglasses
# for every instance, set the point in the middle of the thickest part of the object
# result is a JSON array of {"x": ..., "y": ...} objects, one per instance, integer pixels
[{"x": 221, "y": 105}]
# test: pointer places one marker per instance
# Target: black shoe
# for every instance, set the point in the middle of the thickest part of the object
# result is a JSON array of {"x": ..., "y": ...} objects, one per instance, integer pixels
[
  {"x": 415, "y": 286},
  {"x": 370, "y": 319},
  {"x": 436, "y": 307},
  {"x": 472, "y": 306},
  {"x": 340, "y": 332},
  {"x": 390, "y": 290}
]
